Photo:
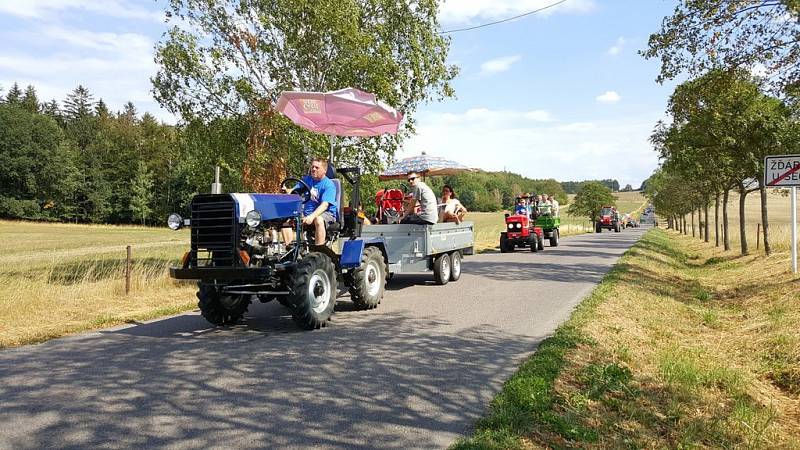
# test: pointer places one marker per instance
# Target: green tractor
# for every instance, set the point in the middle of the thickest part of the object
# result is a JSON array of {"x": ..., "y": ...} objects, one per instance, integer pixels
[{"x": 549, "y": 223}]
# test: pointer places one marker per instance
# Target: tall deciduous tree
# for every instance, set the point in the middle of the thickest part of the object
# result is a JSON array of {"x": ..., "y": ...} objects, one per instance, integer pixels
[
  {"x": 702, "y": 35},
  {"x": 233, "y": 58},
  {"x": 590, "y": 198},
  {"x": 142, "y": 193}
]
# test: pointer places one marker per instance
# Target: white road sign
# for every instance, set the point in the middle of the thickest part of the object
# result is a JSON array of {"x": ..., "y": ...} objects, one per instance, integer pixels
[{"x": 782, "y": 170}]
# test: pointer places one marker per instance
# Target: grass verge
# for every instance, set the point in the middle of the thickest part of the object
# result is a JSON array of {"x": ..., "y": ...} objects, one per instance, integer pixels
[{"x": 680, "y": 346}]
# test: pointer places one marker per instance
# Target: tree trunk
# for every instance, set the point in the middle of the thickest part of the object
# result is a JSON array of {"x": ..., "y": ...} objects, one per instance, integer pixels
[
  {"x": 764, "y": 218},
  {"x": 685, "y": 225},
  {"x": 693, "y": 222},
  {"x": 726, "y": 236},
  {"x": 707, "y": 226},
  {"x": 742, "y": 230},
  {"x": 716, "y": 220}
]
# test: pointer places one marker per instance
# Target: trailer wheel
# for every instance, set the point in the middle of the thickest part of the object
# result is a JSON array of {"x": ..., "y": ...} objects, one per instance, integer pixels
[
  {"x": 455, "y": 266},
  {"x": 221, "y": 309},
  {"x": 367, "y": 282},
  {"x": 441, "y": 269},
  {"x": 505, "y": 247},
  {"x": 313, "y": 283},
  {"x": 554, "y": 238}
]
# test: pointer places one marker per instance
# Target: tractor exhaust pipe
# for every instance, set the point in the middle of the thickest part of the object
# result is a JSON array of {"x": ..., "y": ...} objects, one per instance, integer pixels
[{"x": 216, "y": 187}]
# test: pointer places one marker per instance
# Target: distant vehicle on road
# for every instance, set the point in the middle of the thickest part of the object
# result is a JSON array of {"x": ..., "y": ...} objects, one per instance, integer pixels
[{"x": 609, "y": 219}]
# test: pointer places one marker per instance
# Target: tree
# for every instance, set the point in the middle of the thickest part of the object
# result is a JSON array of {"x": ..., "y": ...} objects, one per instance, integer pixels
[
  {"x": 627, "y": 188},
  {"x": 142, "y": 193},
  {"x": 233, "y": 58},
  {"x": 708, "y": 34},
  {"x": 14, "y": 96},
  {"x": 78, "y": 104},
  {"x": 29, "y": 101},
  {"x": 589, "y": 199}
]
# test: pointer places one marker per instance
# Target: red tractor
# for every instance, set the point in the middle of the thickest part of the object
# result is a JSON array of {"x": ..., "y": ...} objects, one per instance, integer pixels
[
  {"x": 521, "y": 230},
  {"x": 609, "y": 219}
]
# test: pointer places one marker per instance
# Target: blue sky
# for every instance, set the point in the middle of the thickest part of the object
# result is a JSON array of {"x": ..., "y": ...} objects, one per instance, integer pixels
[{"x": 558, "y": 94}]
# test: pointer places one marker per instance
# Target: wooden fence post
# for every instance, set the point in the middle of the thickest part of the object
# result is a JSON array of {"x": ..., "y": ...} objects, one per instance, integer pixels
[
  {"x": 128, "y": 271},
  {"x": 758, "y": 236}
]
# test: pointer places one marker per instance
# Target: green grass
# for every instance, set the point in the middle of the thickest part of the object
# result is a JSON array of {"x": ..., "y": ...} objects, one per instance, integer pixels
[{"x": 678, "y": 347}]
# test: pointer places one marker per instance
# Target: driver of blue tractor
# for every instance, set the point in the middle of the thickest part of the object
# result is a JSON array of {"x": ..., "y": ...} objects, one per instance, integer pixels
[{"x": 322, "y": 208}]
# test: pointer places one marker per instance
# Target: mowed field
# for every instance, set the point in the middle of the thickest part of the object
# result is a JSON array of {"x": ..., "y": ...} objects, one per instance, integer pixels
[{"x": 57, "y": 279}]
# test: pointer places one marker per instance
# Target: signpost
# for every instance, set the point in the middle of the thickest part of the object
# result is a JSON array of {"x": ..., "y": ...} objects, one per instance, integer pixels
[{"x": 784, "y": 171}]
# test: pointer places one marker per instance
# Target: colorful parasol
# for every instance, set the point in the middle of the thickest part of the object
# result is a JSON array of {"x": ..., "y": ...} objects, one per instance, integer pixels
[{"x": 425, "y": 165}]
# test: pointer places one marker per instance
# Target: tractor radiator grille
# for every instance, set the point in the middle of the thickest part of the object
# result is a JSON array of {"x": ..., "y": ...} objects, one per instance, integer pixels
[{"x": 215, "y": 231}]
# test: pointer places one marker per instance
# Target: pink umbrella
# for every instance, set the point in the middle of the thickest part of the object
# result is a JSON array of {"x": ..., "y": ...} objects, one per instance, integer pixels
[{"x": 346, "y": 112}]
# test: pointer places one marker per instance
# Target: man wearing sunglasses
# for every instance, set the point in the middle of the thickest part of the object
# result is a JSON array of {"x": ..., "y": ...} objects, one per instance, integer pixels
[{"x": 420, "y": 192}]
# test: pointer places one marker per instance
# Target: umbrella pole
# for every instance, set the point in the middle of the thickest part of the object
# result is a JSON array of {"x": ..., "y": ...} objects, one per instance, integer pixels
[{"x": 332, "y": 139}]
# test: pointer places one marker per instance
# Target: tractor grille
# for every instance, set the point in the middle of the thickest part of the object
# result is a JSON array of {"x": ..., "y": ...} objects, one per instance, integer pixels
[{"x": 215, "y": 231}]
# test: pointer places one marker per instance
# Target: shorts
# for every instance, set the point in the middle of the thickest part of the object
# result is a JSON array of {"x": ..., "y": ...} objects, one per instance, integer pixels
[
  {"x": 327, "y": 217},
  {"x": 415, "y": 219}
]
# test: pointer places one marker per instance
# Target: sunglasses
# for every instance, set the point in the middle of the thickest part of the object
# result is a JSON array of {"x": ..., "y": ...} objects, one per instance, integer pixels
[{"x": 412, "y": 178}]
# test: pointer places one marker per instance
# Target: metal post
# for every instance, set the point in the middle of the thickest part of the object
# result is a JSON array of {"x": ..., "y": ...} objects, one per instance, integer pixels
[
  {"x": 332, "y": 139},
  {"x": 216, "y": 187},
  {"x": 794, "y": 229},
  {"x": 128, "y": 271}
]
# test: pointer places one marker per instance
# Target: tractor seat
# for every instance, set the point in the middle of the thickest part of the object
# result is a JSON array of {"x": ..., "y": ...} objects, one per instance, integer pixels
[{"x": 339, "y": 224}]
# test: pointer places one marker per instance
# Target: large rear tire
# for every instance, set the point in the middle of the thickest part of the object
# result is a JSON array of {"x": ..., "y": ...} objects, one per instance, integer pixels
[
  {"x": 221, "y": 309},
  {"x": 554, "y": 238},
  {"x": 367, "y": 282},
  {"x": 313, "y": 296},
  {"x": 441, "y": 269},
  {"x": 455, "y": 266}
]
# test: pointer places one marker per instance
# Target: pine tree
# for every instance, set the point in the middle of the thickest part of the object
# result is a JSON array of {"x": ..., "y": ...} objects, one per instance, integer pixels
[
  {"x": 101, "y": 110},
  {"x": 78, "y": 104},
  {"x": 29, "y": 101},
  {"x": 129, "y": 113},
  {"x": 14, "y": 96},
  {"x": 142, "y": 193},
  {"x": 51, "y": 109}
]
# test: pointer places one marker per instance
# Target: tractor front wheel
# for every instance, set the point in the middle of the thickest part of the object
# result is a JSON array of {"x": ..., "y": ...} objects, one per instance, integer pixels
[
  {"x": 505, "y": 246},
  {"x": 540, "y": 243},
  {"x": 367, "y": 282},
  {"x": 534, "y": 243},
  {"x": 313, "y": 297},
  {"x": 219, "y": 308},
  {"x": 441, "y": 269},
  {"x": 598, "y": 228}
]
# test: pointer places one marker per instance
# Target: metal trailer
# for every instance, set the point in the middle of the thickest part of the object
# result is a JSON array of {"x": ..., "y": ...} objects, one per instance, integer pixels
[{"x": 424, "y": 248}]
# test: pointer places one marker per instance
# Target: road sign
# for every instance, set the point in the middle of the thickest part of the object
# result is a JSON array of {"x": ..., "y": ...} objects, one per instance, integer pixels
[{"x": 782, "y": 170}]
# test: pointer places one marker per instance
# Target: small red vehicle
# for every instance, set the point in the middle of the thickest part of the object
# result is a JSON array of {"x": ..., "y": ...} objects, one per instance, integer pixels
[
  {"x": 521, "y": 230},
  {"x": 609, "y": 219}
]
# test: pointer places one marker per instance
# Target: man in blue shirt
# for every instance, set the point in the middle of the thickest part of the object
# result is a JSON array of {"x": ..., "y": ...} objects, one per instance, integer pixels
[{"x": 323, "y": 207}]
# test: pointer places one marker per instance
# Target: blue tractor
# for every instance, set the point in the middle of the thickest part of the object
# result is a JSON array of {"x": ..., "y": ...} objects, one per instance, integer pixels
[{"x": 238, "y": 257}]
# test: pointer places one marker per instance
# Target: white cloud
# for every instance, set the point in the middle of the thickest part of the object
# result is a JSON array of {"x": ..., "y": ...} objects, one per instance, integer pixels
[
  {"x": 759, "y": 70},
  {"x": 608, "y": 97},
  {"x": 498, "y": 65},
  {"x": 617, "y": 47},
  {"x": 49, "y": 9},
  {"x": 468, "y": 11},
  {"x": 573, "y": 150}
]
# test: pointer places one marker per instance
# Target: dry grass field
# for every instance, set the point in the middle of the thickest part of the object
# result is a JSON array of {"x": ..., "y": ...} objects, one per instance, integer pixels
[{"x": 57, "y": 279}]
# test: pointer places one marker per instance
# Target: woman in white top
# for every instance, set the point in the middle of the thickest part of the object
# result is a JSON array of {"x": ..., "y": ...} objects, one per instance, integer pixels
[{"x": 451, "y": 210}]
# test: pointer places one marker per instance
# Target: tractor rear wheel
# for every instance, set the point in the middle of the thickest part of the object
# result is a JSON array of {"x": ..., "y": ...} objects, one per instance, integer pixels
[
  {"x": 219, "y": 308},
  {"x": 313, "y": 283},
  {"x": 367, "y": 282},
  {"x": 554, "y": 238},
  {"x": 442, "y": 269}
]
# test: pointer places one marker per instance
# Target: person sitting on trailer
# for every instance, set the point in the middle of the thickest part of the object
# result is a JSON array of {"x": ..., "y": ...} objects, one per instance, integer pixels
[
  {"x": 451, "y": 209},
  {"x": 420, "y": 193}
]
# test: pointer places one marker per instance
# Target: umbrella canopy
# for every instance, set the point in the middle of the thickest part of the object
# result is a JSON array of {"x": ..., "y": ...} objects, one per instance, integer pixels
[
  {"x": 346, "y": 112},
  {"x": 425, "y": 165}
]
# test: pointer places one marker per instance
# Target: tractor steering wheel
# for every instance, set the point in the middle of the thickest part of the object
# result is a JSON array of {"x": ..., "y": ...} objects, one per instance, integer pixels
[{"x": 303, "y": 190}]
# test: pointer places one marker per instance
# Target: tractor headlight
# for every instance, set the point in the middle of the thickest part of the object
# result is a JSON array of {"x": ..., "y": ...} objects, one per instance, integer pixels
[
  {"x": 511, "y": 226},
  {"x": 253, "y": 219},
  {"x": 174, "y": 221},
  {"x": 519, "y": 225}
]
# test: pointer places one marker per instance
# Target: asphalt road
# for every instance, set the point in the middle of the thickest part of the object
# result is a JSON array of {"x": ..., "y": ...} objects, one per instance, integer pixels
[{"x": 415, "y": 373}]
